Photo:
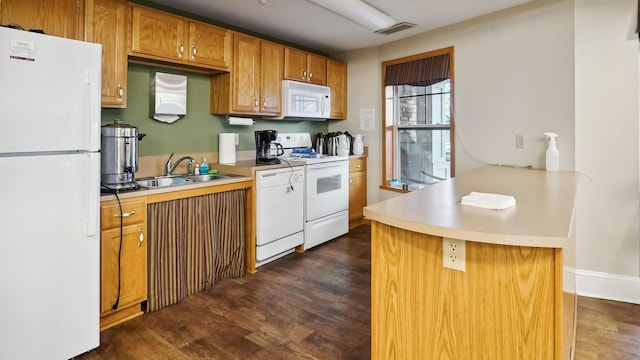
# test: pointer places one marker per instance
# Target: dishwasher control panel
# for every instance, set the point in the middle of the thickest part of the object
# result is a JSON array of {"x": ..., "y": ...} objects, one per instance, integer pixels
[{"x": 280, "y": 176}]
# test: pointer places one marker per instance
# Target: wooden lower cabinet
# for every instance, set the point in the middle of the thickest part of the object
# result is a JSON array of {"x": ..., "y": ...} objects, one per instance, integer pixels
[
  {"x": 123, "y": 261},
  {"x": 357, "y": 190}
]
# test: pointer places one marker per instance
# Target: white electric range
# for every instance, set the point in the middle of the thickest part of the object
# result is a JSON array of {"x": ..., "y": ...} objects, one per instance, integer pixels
[{"x": 326, "y": 197}]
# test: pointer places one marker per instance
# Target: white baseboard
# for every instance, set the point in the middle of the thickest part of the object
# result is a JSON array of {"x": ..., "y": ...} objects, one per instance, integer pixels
[{"x": 608, "y": 286}]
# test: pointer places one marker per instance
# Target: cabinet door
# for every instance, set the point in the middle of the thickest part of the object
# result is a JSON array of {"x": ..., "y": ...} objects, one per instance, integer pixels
[
  {"x": 357, "y": 195},
  {"x": 337, "y": 82},
  {"x": 272, "y": 62},
  {"x": 316, "y": 69},
  {"x": 64, "y": 18},
  {"x": 107, "y": 27},
  {"x": 133, "y": 267},
  {"x": 158, "y": 34},
  {"x": 209, "y": 45},
  {"x": 246, "y": 74},
  {"x": 295, "y": 64}
]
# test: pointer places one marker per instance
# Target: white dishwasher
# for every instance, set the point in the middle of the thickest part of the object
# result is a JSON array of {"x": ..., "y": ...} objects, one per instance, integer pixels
[{"x": 279, "y": 212}]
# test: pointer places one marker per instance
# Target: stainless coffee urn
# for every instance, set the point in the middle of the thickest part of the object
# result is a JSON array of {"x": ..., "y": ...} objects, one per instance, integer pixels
[{"x": 119, "y": 156}]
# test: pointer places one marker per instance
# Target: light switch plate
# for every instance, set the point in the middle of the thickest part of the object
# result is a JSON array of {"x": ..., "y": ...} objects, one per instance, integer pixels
[{"x": 520, "y": 141}]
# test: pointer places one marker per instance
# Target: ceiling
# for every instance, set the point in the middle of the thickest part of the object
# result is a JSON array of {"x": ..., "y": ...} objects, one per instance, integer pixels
[{"x": 303, "y": 23}]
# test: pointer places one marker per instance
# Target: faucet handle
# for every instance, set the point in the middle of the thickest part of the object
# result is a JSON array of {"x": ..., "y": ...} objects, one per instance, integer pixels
[
  {"x": 168, "y": 165},
  {"x": 190, "y": 167}
]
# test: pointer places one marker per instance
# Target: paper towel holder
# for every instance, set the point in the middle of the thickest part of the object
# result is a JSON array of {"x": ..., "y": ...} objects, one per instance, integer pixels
[
  {"x": 235, "y": 120},
  {"x": 168, "y": 97}
]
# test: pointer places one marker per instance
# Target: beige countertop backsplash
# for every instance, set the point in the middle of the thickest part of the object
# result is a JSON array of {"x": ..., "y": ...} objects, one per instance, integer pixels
[
  {"x": 155, "y": 165},
  {"x": 149, "y": 166}
]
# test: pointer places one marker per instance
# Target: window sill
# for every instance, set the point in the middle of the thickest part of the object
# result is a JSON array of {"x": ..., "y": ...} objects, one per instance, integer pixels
[{"x": 389, "y": 188}]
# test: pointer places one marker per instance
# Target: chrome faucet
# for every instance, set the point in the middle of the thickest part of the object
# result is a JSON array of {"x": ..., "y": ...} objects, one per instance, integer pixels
[{"x": 169, "y": 167}]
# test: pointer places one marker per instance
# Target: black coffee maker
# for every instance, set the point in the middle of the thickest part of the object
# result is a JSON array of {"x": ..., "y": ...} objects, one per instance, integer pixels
[{"x": 265, "y": 142}]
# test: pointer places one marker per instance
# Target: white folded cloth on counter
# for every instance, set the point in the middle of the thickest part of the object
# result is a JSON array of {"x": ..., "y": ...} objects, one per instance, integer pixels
[{"x": 488, "y": 200}]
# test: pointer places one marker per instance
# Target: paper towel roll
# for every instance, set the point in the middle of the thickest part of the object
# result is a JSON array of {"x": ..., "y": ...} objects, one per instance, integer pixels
[
  {"x": 240, "y": 121},
  {"x": 227, "y": 148}
]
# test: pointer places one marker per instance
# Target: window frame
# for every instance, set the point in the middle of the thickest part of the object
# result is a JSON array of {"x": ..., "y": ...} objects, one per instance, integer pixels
[{"x": 388, "y": 135}]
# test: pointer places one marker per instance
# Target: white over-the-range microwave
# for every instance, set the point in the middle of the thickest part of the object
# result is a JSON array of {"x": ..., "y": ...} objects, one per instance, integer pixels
[{"x": 305, "y": 101}]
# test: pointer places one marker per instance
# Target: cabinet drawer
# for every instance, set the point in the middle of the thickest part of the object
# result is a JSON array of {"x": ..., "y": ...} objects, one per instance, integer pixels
[
  {"x": 357, "y": 164},
  {"x": 134, "y": 211}
]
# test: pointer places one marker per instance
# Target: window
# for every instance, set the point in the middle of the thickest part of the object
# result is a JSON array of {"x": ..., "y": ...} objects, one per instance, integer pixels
[{"x": 418, "y": 108}]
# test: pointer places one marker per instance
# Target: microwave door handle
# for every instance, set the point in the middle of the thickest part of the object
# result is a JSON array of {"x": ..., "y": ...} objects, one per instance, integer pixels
[{"x": 324, "y": 104}]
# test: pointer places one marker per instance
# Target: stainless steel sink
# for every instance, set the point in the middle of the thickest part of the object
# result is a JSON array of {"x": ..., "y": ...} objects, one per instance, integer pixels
[
  {"x": 173, "y": 180},
  {"x": 163, "y": 181},
  {"x": 207, "y": 177}
]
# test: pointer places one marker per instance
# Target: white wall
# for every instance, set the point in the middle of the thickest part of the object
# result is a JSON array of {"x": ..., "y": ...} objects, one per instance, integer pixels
[
  {"x": 525, "y": 70},
  {"x": 606, "y": 69}
]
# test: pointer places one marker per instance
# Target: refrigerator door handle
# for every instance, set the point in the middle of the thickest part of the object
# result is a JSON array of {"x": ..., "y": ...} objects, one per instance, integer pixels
[
  {"x": 94, "y": 193},
  {"x": 93, "y": 79}
]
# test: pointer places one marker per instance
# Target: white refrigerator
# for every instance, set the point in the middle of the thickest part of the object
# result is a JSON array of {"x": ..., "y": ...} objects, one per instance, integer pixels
[{"x": 49, "y": 196}]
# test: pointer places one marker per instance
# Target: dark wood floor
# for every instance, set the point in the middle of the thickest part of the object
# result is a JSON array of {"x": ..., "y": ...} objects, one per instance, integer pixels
[{"x": 314, "y": 305}]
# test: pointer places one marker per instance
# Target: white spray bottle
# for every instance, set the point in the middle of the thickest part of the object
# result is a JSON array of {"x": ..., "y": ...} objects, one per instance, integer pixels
[{"x": 553, "y": 155}]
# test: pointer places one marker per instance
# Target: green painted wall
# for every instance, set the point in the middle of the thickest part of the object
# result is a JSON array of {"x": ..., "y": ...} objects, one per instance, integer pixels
[{"x": 198, "y": 130}]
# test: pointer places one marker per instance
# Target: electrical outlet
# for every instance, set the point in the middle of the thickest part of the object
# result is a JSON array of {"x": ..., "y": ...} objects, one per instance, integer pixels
[
  {"x": 453, "y": 254},
  {"x": 520, "y": 141}
]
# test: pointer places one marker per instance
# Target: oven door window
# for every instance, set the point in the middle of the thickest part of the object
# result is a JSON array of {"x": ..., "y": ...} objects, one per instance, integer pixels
[{"x": 328, "y": 183}]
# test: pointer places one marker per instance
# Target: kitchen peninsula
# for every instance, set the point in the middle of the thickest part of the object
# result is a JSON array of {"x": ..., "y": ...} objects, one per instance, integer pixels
[{"x": 515, "y": 299}]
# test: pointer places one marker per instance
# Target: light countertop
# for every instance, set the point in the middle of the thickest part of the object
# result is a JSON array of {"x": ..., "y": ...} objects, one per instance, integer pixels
[
  {"x": 170, "y": 189},
  {"x": 542, "y": 217}
]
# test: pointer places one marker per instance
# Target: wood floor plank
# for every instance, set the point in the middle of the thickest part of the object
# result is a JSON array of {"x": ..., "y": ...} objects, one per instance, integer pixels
[{"x": 314, "y": 305}]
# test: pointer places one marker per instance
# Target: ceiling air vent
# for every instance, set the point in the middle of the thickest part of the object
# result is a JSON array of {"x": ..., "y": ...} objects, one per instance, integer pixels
[{"x": 395, "y": 28}]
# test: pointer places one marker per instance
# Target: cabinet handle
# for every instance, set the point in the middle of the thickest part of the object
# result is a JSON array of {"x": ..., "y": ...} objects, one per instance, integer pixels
[
  {"x": 120, "y": 92},
  {"x": 350, "y": 181},
  {"x": 304, "y": 74},
  {"x": 193, "y": 52},
  {"x": 255, "y": 102},
  {"x": 181, "y": 51},
  {"x": 141, "y": 237},
  {"x": 264, "y": 102},
  {"x": 310, "y": 75},
  {"x": 125, "y": 215},
  {"x": 358, "y": 165}
]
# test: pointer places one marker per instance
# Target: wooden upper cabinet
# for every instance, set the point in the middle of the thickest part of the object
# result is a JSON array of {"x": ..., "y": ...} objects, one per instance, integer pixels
[
  {"x": 317, "y": 69},
  {"x": 158, "y": 34},
  {"x": 162, "y": 36},
  {"x": 254, "y": 85},
  {"x": 295, "y": 64},
  {"x": 302, "y": 66},
  {"x": 106, "y": 25},
  {"x": 209, "y": 45},
  {"x": 272, "y": 64},
  {"x": 337, "y": 82},
  {"x": 246, "y": 74},
  {"x": 64, "y": 18}
]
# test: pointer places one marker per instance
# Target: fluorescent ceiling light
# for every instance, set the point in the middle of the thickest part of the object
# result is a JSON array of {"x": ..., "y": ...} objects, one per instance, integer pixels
[{"x": 358, "y": 12}]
